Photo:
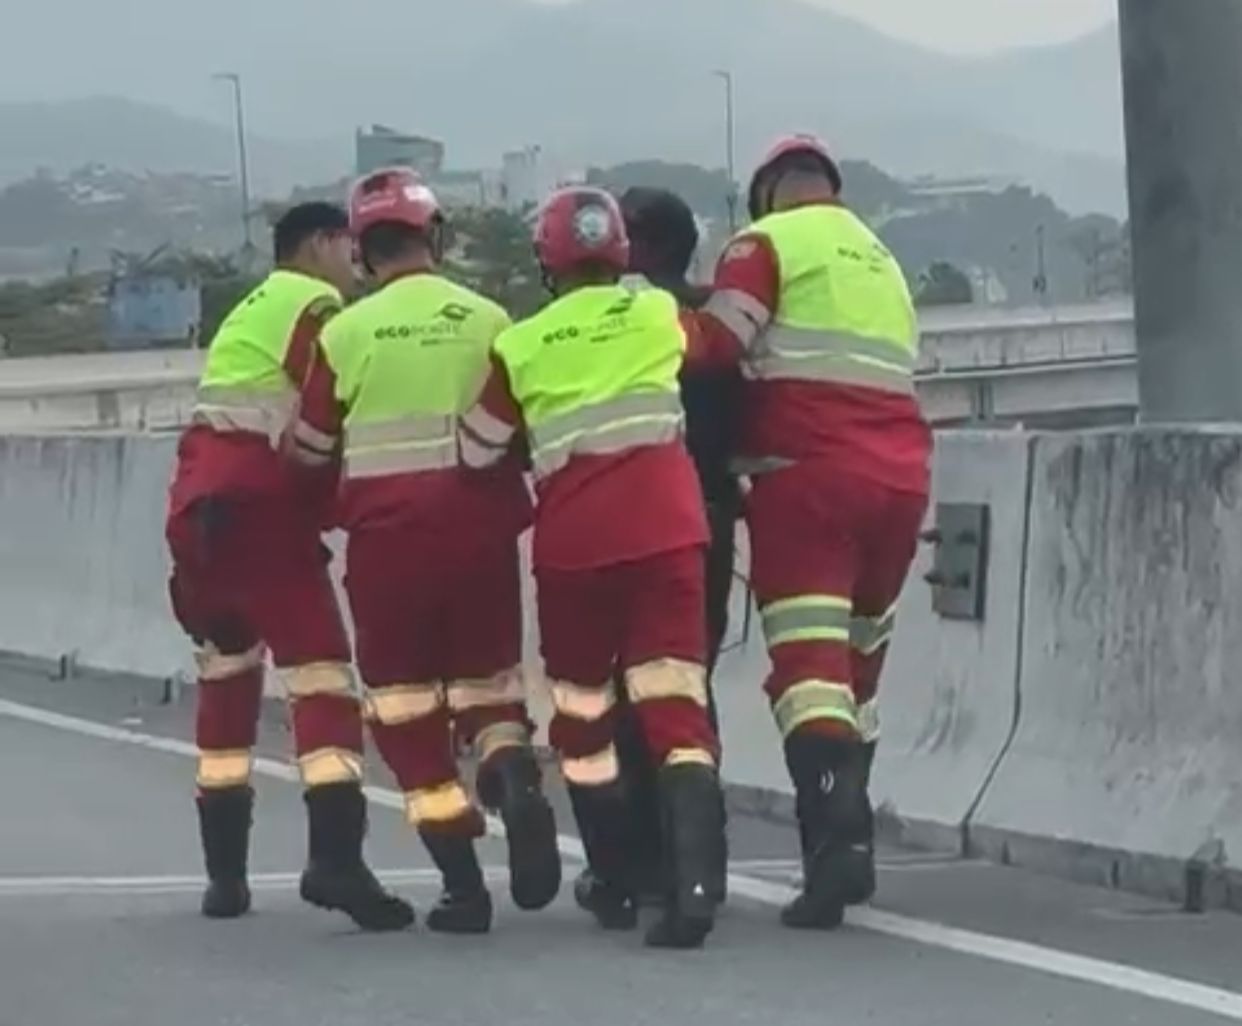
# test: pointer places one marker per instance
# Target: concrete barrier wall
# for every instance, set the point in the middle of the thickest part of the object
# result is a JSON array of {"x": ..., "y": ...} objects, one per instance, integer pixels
[
  {"x": 949, "y": 691},
  {"x": 83, "y": 570},
  {"x": 1127, "y": 764},
  {"x": 140, "y": 408},
  {"x": 1091, "y": 724}
]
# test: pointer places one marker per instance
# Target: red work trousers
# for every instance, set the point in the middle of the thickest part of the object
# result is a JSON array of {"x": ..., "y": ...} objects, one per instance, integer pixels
[
  {"x": 250, "y": 575},
  {"x": 830, "y": 553},
  {"x": 439, "y": 642},
  {"x": 644, "y": 619}
]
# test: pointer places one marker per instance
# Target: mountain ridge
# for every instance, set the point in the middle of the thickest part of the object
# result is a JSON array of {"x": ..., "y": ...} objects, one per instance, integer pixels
[{"x": 604, "y": 80}]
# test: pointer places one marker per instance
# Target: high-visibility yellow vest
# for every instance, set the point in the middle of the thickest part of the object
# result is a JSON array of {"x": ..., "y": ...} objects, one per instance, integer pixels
[
  {"x": 409, "y": 360},
  {"x": 244, "y": 386},
  {"x": 596, "y": 373},
  {"x": 845, "y": 314}
]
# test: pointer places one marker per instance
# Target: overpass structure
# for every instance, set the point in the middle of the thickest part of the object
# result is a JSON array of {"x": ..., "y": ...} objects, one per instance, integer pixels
[{"x": 1041, "y": 367}]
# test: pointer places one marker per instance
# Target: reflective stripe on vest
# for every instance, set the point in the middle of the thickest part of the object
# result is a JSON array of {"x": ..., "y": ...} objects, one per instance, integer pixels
[
  {"x": 242, "y": 409},
  {"x": 244, "y": 386},
  {"x": 806, "y": 354},
  {"x": 406, "y": 445},
  {"x": 606, "y": 428},
  {"x": 409, "y": 360},
  {"x": 596, "y": 373},
  {"x": 844, "y": 313}
]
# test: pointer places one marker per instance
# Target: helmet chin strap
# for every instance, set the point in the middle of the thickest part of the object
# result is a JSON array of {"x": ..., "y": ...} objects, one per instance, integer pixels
[
  {"x": 436, "y": 237},
  {"x": 548, "y": 280}
]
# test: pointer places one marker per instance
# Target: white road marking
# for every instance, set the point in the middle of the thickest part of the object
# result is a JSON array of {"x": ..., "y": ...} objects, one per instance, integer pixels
[
  {"x": 64, "y": 886},
  {"x": 989, "y": 947},
  {"x": 912, "y": 863}
]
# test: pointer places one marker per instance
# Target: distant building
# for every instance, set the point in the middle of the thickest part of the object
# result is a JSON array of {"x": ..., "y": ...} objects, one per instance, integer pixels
[
  {"x": 382, "y": 146},
  {"x": 524, "y": 178},
  {"x": 146, "y": 310}
]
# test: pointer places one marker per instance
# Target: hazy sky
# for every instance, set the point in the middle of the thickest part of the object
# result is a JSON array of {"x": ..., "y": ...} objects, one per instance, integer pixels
[{"x": 971, "y": 26}]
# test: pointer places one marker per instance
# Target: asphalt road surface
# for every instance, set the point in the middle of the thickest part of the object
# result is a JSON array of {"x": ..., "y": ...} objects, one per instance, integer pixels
[{"x": 99, "y": 882}]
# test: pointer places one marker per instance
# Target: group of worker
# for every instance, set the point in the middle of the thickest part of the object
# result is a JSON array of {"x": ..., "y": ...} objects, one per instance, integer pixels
[{"x": 412, "y": 419}]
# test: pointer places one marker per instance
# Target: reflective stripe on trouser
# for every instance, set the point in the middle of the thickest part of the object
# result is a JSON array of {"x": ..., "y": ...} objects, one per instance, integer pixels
[
  {"x": 490, "y": 712},
  {"x": 505, "y": 688},
  {"x": 396, "y": 704},
  {"x": 239, "y": 409},
  {"x": 869, "y": 720},
  {"x": 869, "y": 641},
  {"x": 629, "y": 421},
  {"x": 595, "y": 770},
  {"x": 807, "y": 618},
  {"x": 413, "y": 731},
  {"x": 327, "y": 722},
  {"x": 793, "y": 624},
  {"x": 214, "y": 665},
  {"x": 582, "y": 730},
  {"x": 802, "y": 354},
  {"x": 323, "y": 766},
  {"x": 655, "y": 688},
  {"x": 218, "y": 770},
  {"x": 405, "y": 445},
  {"x": 437, "y": 806},
  {"x": 808, "y": 700},
  {"x": 229, "y": 697},
  {"x": 869, "y": 635}
]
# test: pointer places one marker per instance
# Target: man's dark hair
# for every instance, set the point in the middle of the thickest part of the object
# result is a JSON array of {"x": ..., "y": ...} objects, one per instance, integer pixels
[
  {"x": 662, "y": 231},
  {"x": 303, "y": 222},
  {"x": 389, "y": 242}
]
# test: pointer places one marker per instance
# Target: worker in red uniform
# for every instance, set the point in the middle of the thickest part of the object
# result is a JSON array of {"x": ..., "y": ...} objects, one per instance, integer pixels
[
  {"x": 592, "y": 382},
  {"x": 663, "y": 239},
  {"x": 432, "y": 566},
  {"x": 250, "y": 574},
  {"x": 818, "y": 313}
]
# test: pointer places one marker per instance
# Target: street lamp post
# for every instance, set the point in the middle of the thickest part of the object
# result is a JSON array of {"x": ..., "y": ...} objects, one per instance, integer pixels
[
  {"x": 730, "y": 158},
  {"x": 242, "y": 162},
  {"x": 1183, "y": 86}
]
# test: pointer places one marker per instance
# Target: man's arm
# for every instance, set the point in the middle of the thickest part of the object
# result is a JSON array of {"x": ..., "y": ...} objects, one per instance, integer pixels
[
  {"x": 314, "y": 440},
  {"x": 487, "y": 430},
  {"x": 744, "y": 296}
]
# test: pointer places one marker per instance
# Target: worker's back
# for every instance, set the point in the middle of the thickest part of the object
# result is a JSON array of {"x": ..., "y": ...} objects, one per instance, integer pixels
[
  {"x": 407, "y": 361},
  {"x": 595, "y": 374},
  {"x": 833, "y": 373},
  {"x": 248, "y": 390}
]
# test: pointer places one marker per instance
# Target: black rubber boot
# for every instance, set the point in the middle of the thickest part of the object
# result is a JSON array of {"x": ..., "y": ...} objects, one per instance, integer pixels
[
  {"x": 465, "y": 907},
  {"x": 693, "y": 813},
  {"x": 829, "y": 778},
  {"x": 606, "y": 890},
  {"x": 641, "y": 782},
  {"x": 224, "y": 819},
  {"x": 864, "y": 884},
  {"x": 510, "y": 784},
  {"x": 336, "y": 877}
]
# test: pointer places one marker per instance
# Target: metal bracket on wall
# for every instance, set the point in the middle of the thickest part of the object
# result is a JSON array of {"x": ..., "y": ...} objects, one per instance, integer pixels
[{"x": 959, "y": 573}]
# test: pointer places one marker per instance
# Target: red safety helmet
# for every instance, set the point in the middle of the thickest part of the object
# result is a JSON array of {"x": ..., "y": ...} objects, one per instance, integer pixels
[
  {"x": 789, "y": 146},
  {"x": 581, "y": 225},
  {"x": 392, "y": 195}
]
